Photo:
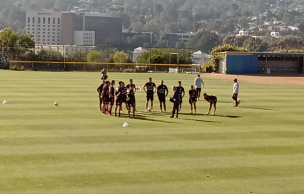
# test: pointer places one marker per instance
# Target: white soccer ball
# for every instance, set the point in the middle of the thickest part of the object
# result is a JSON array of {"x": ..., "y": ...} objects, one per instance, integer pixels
[
  {"x": 56, "y": 103},
  {"x": 125, "y": 125},
  {"x": 4, "y": 102},
  {"x": 149, "y": 109}
]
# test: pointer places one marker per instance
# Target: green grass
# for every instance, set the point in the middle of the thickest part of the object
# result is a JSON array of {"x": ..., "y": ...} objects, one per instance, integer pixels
[{"x": 73, "y": 149}]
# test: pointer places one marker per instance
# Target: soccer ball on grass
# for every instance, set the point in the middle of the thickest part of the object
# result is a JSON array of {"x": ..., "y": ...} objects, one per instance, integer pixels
[{"x": 56, "y": 103}]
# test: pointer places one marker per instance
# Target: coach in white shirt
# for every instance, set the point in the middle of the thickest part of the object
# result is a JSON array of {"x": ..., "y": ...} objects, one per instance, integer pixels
[
  {"x": 236, "y": 90},
  {"x": 198, "y": 85}
]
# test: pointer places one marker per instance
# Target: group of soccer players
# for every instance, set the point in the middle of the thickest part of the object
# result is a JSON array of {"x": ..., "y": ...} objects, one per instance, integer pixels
[{"x": 125, "y": 94}]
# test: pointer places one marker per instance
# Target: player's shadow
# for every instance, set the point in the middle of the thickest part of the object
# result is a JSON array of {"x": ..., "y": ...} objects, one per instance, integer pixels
[
  {"x": 216, "y": 115},
  {"x": 255, "y": 108},
  {"x": 197, "y": 120},
  {"x": 143, "y": 118}
]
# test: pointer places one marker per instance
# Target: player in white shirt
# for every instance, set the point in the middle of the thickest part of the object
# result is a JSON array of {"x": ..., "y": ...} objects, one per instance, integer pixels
[
  {"x": 198, "y": 85},
  {"x": 236, "y": 90}
]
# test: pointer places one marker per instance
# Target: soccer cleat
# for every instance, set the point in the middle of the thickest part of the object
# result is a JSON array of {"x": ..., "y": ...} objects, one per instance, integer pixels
[
  {"x": 207, "y": 113},
  {"x": 151, "y": 110},
  {"x": 110, "y": 114},
  {"x": 191, "y": 112},
  {"x": 176, "y": 117},
  {"x": 121, "y": 111},
  {"x": 103, "y": 113}
]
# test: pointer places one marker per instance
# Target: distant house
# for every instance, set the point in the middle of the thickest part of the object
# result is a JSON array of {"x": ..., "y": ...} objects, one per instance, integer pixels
[
  {"x": 243, "y": 32},
  {"x": 137, "y": 52},
  {"x": 276, "y": 34}
]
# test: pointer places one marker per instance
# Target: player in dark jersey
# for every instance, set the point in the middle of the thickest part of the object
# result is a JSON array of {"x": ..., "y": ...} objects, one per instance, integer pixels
[
  {"x": 99, "y": 90},
  {"x": 111, "y": 97},
  {"x": 104, "y": 74},
  {"x": 192, "y": 99},
  {"x": 118, "y": 94},
  {"x": 131, "y": 100},
  {"x": 124, "y": 96},
  {"x": 134, "y": 89},
  {"x": 151, "y": 87},
  {"x": 105, "y": 97},
  {"x": 162, "y": 92},
  {"x": 181, "y": 90},
  {"x": 211, "y": 100}
]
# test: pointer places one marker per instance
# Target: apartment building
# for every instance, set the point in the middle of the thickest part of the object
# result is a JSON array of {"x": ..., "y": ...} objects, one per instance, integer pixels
[
  {"x": 50, "y": 27},
  {"x": 45, "y": 26}
]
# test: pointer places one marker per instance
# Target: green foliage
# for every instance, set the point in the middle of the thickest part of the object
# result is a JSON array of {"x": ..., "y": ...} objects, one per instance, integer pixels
[
  {"x": 204, "y": 40},
  {"x": 49, "y": 55},
  {"x": 120, "y": 57},
  {"x": 76, "y": 57},
  {"x": 94, "y": 56},
  {"x": 217, "y": 55},
  {"x": 14, "y": 44},
  {"x": 288, "y": 42},
  {"x": 165, "y": 56}
]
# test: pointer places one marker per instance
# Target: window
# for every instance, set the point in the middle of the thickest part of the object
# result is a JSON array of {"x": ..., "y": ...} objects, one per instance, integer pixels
[
  {"x": 54, "y": 21},
  {"x": 38, "y": 39},
  {"x": 49, "y": 36},
  {"x": 33, "y": 28},
  {"x": 43, "y": 29},
  {"x": 49, "y": 20},
  {"x": 43, "y": 21},
  {"x": 49, "y": 33},
  {"x": 38, "y": 28},
  {"x": 33, "y": 25},
  {"x": 53, "y": 40},
  {"x": 43, "y": 40},
  {"x": 28, "y": 20},
  {"x": 39, "y": 20},
  {"x": 39, "y": 36},
  {"x": 48, "y": 40},
  {"x": 49, "y": 26},
  {"x": 38, "y": 32},
  {"x": 34, "y": 20},
  {"x": 28, "y": 29},
  {"x": 28, "y": 25},
  {"x": 58, "y": 30},
  {"x": 54, "y": 26},
  {"x": 49, "y": 29},
  {"x": 58, "y": 20},
  {"x": 53, "y": 32},
  {"x": 43, "y": 32}
]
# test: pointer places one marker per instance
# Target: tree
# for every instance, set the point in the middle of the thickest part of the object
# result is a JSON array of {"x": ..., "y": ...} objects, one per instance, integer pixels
[
  {"x": 49, "y": 55},
  {"x": 301, "y": 27},
  {"x": 204, "y": 40},
  {"x": 94, "y": 56},
  {"x": 120, "y": 57},
  {"x": 76, "y": 57},
  {"x": 13, "y": 45},
  {"x": 288, "y": 42}
]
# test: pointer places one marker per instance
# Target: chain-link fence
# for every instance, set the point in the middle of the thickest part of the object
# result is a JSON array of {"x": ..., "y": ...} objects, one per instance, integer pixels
[{"x": 110, "y": 67}]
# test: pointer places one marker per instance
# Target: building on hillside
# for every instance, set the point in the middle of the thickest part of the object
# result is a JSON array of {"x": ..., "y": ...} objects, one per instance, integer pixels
[
  {"x": 50, "y": 27},
  {"x": 262, "y": 63},
  {"x": 173, "y": 38},
  {"x": 243, "y": 32},
  {"x": 276, "y": 34}
]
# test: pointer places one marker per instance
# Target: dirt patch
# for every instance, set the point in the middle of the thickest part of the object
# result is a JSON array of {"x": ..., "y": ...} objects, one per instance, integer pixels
[{"x": 297, "y": 80}]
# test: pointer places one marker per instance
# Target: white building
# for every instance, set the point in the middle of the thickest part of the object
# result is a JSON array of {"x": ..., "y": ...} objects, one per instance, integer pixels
[
  {"x": 200, "y": 58},
  {"x": 45, "y": 26},
  {"x": 243, "y": 32},
  {"x": 85, "y": 38},
  {"x": 275, "y": 34},
  {"x": 137, "y": 52}
]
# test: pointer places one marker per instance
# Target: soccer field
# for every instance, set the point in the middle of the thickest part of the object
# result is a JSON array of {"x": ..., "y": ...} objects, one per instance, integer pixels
[{"x": 73, "y": 149}]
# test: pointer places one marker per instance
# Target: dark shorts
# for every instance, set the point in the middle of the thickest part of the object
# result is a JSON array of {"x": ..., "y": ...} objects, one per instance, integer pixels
[
  {"x": 162, "y": 98},
  {"x": 235, "y": 96},
  {"x": 131, "y": 103},
  {"x": 192, "y": 100},
  {"x": 104, "y": 77},
  {"x": 118, "y": 102},
  {"x": 181, "y": 100},
  {"x": 106, "y": 100},
  {"x": 124, "y": 100},
  {"x": 213, "y": 101},
  {"x": 111, "y": 101},
  {"x": 150, "y": 97}
]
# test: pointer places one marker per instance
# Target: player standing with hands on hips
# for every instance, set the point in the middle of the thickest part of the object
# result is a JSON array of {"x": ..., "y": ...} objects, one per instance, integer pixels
[
  {"x": 236, "y": 89},
  {"x": 151, "y": 88},
  {"x": 176, "y": 100},
  {"x": 198, "y": 85},
  {"x": 162, "y": 92}
]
